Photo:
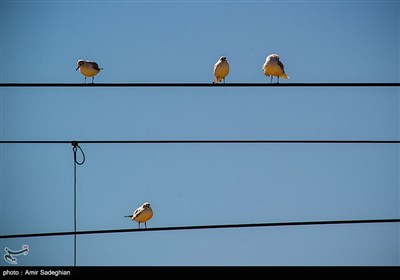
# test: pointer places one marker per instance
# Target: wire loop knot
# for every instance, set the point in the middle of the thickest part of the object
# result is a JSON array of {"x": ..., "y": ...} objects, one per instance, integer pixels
[{"x": 75, "y": 148}]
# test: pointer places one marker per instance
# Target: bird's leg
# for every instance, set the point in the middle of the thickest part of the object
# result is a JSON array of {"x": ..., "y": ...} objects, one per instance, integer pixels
[
  {"x": 145, "y": 225},
  {"x": 85, "y": 80},
  {"x": 138, "y": 225},
  {"x": 278, "y": 80},
  {"x": 271, "y": 79},
  {"x": 93, "y": 80}
]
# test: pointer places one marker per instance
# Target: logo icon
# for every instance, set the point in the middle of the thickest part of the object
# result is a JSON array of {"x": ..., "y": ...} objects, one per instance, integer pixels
[{"x": 9, "y": 255}]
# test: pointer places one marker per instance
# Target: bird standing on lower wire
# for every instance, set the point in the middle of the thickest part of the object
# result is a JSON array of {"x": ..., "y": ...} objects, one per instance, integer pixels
[
  {"x": 221, "y": 70},
  {"x": 274, "y": 67},
  {"x": 142, "y": 214},
  {"x": 88, "y": 68}
]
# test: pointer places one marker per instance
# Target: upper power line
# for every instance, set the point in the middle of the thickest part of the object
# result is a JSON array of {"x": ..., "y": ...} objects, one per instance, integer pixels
[
  {"x": 200, "y": 85},
  {"x": 198, "y": 141}
]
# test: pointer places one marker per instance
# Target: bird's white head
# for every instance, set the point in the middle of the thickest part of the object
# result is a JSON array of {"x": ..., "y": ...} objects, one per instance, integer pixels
[
  {"x": 273, "y": 57},
  {"x": 79, "y": 64},
  {"x": 146, "y": 205},
  {"x": 222, "y": 58}
]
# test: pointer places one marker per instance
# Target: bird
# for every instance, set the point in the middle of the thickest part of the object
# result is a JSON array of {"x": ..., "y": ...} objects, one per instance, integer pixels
[
  {"x": 274, "y": 67},
  {"x": 142, "y": 214},
  {"x": 88, "y": 68},
  {"x": 221, "y": 70}
]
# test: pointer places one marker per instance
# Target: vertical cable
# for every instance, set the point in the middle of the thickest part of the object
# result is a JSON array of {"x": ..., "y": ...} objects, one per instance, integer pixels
[
  {"x": 74, "y": 149},
  {"x": 76, "y": 162}
]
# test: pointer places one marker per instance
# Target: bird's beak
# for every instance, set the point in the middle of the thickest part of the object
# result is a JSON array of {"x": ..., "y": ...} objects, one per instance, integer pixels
[{"x": 77, "y": 68}]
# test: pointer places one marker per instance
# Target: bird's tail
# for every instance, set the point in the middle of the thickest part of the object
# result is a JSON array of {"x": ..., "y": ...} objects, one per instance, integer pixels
[{"x": 284, "y": 76}]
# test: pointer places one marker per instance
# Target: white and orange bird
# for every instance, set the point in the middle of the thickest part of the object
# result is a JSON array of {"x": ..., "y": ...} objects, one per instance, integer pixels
[
  {"x": 274, "y": 67},
  {"x": 88, "y": 68},
  {"x": 221, "y": 70},
  {"x": 142, "y": 214}
]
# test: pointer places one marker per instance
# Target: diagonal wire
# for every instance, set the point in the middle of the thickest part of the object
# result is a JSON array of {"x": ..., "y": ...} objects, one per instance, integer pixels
[{"x": 221, "y": 226}]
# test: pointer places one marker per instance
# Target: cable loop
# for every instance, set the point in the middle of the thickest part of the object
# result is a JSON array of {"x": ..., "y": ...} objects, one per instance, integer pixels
[{"x": 75, "y": 149}]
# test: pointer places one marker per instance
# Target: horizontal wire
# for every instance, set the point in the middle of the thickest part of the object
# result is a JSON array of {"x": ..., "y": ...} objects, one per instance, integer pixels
[
  {"x": 202, "y": 142},
  {"x": 200, "y": 85},
  {"x": 204, "y": 227}
]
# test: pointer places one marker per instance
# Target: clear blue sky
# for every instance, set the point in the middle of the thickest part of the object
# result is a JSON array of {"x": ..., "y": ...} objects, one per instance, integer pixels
[{"x": 179, "y": 41}]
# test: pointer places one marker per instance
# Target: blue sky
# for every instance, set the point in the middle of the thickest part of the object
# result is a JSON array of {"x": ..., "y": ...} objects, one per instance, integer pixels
[{"x": 198, "y": 184}]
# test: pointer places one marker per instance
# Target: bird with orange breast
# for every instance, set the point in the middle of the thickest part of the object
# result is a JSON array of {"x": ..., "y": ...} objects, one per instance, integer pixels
[
  {"x": 142, "y": 214},
  {"x": 274, "y": 67},
  {"x": 221, "y": 70},
  {"x": 88, "y": 68}
]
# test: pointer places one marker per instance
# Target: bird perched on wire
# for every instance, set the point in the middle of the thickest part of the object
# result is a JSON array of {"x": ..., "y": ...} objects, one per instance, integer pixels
[
  {"x": 221, "y": 70},
  {"x": 274, "y": 67},
  {"x": 88, "y": 68},
  {"x": 142, "y": 214}
]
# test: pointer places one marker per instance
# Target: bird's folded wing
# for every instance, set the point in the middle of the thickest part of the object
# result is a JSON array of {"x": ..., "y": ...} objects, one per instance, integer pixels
[
  {"x": 137, "y": 212},
  {"x": 95, "y": 65},
  {"x": 281, "y": 65}
]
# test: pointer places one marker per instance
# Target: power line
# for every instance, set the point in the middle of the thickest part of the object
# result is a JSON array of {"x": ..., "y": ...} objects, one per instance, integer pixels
[
  {"x": 200, "y": 85},
  {"x": 278, "y": 224},
  {"x": 201, "y": 142}
]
